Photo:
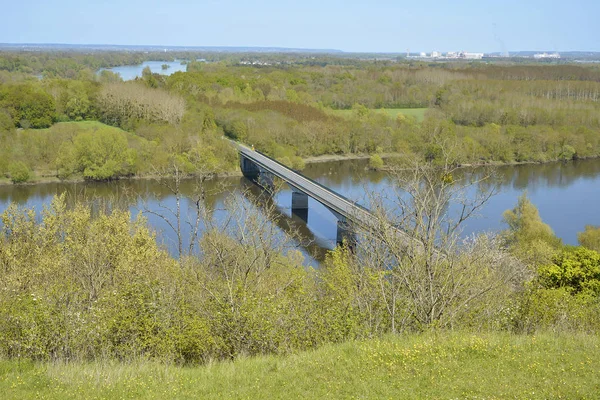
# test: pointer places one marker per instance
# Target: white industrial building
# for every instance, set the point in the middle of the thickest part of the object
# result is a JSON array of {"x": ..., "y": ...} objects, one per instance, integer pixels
[
  {"x": 472, "y": 56},
  {"x": 546, "y": 55}
]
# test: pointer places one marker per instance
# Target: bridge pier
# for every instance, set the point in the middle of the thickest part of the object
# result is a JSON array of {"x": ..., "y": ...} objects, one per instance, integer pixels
[
  {"x": 300, "y": 204},
  {"x": 345, "y": 233},
  {"x": 265, "y": 180},
  {"x": 252, "y": 171},
  {"x": 249, "y": 168}
]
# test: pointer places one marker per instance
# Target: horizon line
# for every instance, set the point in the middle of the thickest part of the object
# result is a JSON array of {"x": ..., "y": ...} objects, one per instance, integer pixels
[{"x": 297, "y": 49}]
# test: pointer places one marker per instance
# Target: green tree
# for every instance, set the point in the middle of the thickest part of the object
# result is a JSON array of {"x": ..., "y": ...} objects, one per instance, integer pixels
[
  {"x": 575, "y": 269},
  {"x": 6, "y": 123},
  {"x": 149, "y": 77},
  {"x": 28, "y": 106},
  {"x": 237, "y": 130},
  {"x": 102, "y": 155},
  {"x": 527, "y": 234},
  {"x": 19, "y": 172},
  {"x": 590, "y": 238},
  {"x": 106, "y": 76},
  {"x": 375, "y": 162}
]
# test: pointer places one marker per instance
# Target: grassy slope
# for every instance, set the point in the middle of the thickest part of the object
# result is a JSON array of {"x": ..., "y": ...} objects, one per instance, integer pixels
[
  {"x": 418, "y": 113},
  {"x": 82, "y": 125},
  {"x": 78, "y": 126},
  {"x": 466, "y": 366}
]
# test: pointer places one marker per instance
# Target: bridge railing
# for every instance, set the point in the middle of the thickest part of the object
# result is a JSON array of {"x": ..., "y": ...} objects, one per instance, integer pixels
[{"x": 329, "y": 190}]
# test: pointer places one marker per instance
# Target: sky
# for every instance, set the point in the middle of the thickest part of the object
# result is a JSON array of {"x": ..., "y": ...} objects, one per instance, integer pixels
[{"x": 350, "y": 25}]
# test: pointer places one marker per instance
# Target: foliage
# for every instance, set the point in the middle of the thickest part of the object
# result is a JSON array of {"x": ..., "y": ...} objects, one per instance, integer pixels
[
  {"x": 98, "y": 155},
  {"x": 81, "y": 287},
  {"x": 590, "y": 238},
  {"x": 19, "y": 172},
  {"x": 427, "y": 276},
  {"x": 559, "y": 310},
  {"x": 564, "y": 294},
  {"x": 122, "y": 104},
  {"x": 27, "y": 105},
  {"x": 375, "y": 162},
  {"x": 529, "y": 237},
  {"x": 300, "y": 107},
  {"x": 575, "y": 269}
]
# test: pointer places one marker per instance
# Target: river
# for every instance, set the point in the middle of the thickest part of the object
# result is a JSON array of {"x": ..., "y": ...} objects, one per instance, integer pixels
[
  {"x": 130, "y": 72},
  {"x": 566, "y": 194}
]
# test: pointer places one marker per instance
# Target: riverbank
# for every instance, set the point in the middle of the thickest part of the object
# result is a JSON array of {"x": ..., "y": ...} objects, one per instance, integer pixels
[
  {"x": 42, "y": 177},
  {"x": 80, "y": 179},
  {"x": 432, "y": 365},
  {"x": 386, "y": 156}
]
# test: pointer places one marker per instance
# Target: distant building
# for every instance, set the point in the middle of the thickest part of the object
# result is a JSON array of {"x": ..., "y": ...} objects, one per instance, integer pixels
[
  {"x": 423, "y": 54},
  {"x": 435, "y": 54},
  {"x": 464, "y": 55},
  {"x": 546, "y": 55},
  {"x": 472, "y": 56}
]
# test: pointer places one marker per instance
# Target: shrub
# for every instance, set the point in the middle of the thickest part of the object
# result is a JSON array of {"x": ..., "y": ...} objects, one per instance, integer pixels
[
  {"x": 375, "y": 162},
  {"x": 19, "y": 172},
  {"x": 556, "y": 309},
  {"x": 298, "y": 163},
  {"x": 100, "y": 155},
  {"x": 574, "y": 269},
  {"x": 590, "y": 238}
]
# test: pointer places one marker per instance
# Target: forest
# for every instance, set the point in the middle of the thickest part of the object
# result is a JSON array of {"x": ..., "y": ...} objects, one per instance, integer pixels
[{"x": 59, "y": 119}]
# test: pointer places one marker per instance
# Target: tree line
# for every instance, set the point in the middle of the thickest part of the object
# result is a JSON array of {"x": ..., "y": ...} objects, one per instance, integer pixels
[{"x": 480, "y": 113}]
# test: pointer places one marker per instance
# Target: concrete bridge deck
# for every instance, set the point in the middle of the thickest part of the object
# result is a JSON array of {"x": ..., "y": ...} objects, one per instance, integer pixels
[{"x": 342, "y": 207}]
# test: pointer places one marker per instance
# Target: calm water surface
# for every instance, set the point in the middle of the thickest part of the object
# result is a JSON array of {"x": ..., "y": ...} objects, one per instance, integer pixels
[
  {"x": 567, "y": 196},
  {"x": 129, "y": 72}
]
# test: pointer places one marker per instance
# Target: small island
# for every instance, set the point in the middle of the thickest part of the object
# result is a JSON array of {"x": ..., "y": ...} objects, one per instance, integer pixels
[{"x": 165, "y": 66}]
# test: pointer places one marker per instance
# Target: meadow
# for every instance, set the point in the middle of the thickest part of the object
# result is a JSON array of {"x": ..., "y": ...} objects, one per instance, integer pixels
[
  {"x": 417, "y": 113},
  {"x": 431, "y": 365}
]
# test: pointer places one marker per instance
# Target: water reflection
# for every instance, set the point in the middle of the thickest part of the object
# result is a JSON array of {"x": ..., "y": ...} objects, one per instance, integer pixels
[
  {"x": 566, "y": 194},
  {"x": 129, "y": 72}
]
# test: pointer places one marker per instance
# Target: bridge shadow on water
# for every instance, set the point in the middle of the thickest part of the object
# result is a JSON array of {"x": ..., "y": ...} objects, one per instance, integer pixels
[{"x": 293, "y": 223}]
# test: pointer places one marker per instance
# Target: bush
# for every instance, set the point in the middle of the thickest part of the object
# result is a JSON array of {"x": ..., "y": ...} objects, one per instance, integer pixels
[
  {"x": 574, "y": 269},
  {"x": 590, "y": 238},
  {"x": 556, "y": 309},
  {"x": 298, "y": 163},
  {"x": 100, "y": 155},
  {"x": 19, "y": 172},
  {"x": 375, "y": 162}
]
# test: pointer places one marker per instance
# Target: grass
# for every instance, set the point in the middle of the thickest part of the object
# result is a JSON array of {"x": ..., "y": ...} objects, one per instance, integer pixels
[
  {"x": 417, "y": 113},
  {"x": 79, "y": 126},
  {"x": 444, "y": 365}
]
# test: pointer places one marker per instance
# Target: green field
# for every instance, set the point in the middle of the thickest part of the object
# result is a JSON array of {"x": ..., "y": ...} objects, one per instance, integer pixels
[
  {"x": 418, "y": 113},
  {"x": 443, "y": 365},
  {"x": 79, "y": 126}
]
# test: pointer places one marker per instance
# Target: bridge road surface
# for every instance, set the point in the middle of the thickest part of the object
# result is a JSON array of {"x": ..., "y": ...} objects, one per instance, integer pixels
[{"x": 338, "y": 204}]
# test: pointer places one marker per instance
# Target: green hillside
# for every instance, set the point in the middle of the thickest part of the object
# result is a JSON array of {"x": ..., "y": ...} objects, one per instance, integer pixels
[{"x": 444, "y": 365}]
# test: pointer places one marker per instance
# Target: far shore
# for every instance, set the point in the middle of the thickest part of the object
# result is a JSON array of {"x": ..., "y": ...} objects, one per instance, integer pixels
[{"x": 41, "y": 178}]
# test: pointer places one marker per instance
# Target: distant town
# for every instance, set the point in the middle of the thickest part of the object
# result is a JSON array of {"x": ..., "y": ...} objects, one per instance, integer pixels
[
  {"x": 255, "y": 55},
  {"x": 465, "y": 55}
]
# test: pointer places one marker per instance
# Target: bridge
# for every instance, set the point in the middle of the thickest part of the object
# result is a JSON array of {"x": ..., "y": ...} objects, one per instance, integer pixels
[{"x": 261, "y": 168}]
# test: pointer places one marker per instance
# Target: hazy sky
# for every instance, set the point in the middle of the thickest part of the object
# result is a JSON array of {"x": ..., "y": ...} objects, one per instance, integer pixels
[{"x": 350, "y": 25}]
